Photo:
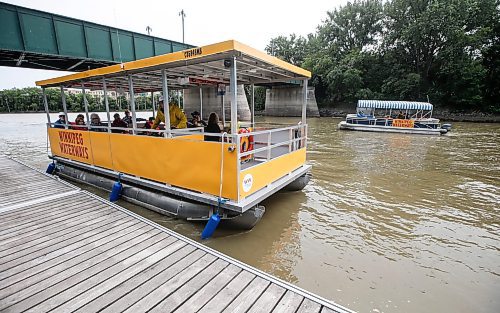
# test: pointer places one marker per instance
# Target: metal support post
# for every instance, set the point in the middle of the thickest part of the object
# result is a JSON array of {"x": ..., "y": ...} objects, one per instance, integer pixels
[
  {"x": 252, "y": 108},
  {"x": 63, "y": 98},
  {"x": 304, "y": 101},
  {"x": 153, "y": 102},
  {"x": 46, "y": 105},
  {"x": 223, "y": 113},
  {"x": 86, "y": 106},
  {"x": 106, "y": 103},
  {"x": 201, "y": 103},
  {"x": 132, "y": 103},
  {"x": 166, "y": 108},
  {"x": 234, "y": 98}
]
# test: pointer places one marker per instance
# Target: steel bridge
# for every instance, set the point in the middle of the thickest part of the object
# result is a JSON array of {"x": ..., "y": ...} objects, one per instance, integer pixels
[{"x": 36, "y": 39}]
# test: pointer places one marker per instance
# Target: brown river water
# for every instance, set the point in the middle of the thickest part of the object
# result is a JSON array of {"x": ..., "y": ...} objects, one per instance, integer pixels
[{"x": 388, "y": 223}]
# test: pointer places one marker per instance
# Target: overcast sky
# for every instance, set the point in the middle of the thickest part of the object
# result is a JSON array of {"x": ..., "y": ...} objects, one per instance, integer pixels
[{"x": 252, "y": 22}]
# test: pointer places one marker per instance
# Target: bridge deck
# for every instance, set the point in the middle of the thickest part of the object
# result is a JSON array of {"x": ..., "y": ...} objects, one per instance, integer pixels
[{"x": 63, "y": 249}]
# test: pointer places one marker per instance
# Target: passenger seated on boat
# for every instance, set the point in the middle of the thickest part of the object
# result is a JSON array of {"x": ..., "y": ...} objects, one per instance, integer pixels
[
  {"x": 400, "y": 115},
  {"x": 177, "y": 117},
  {"x": 213, "y": 127},
  {"x": 149, "y": 122},
  {"x": 80, "y": 123},
  {"x": 127, "y": 118},
  {"x": 95, "y": 120},
  {"x": 196, "y": 121},
  {"x": 118, "y": 122},
  {"x": 61, "y": 121}
]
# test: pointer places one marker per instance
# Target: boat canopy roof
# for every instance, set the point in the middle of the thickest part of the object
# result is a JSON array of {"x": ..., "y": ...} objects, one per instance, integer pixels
[
  {"x": 401, "y": 105},
  {"x": 205, "y": 65}
]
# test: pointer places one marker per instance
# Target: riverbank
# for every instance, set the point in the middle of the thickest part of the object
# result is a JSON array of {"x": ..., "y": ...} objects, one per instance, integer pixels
[
  {"x": 445, "y": 116},
  {"x": 448, "y": 116}
]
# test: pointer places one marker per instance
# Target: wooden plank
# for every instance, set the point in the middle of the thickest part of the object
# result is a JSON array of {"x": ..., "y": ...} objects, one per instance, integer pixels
[
  {"x": 26, "y": 189},
  {"x": 81, "y": 265},
  {"x": 268, "y": 300},
  {"x": 137, "y": 292},
  {"x": 65, "y": 258},
  {"x": 54, "y": 196},
  {"x": 55, "y": 286},
  {"x": 16, "y": 196},
  {"x": 61, "y": 239},
  {"x": 43, "y": 215},
  {"x": 53, "y": 235},
  {"x": 19, "y": 181},
  {"x": 155, "y": 296},
  {"x": 309, "y": 306},
  {"x": 176, "y": 298},
  {"x": 20, "y": 214},
  {"x": 209, "y": 290},
  {"x": 226, "y": 295},
  {"x": 23, "y": 186},
  {"x": 122, "y": 290},
  {"x": 15, "y": 265},
  {"x": 42, "y": 240},
  {"x": 47, "y": 225},
  {"x": 101, "y": 285},
  {"x": 248, "y": 296},
  {"x": 46, "y": 218},
  {"x": 289, "y": 303}
]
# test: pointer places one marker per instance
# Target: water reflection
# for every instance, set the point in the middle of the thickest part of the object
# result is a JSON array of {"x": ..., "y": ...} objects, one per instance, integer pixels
[{"x": 389, "y": 222}]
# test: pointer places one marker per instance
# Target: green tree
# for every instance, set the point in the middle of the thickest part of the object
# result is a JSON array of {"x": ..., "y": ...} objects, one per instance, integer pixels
[{"x": 292, "y": 50}]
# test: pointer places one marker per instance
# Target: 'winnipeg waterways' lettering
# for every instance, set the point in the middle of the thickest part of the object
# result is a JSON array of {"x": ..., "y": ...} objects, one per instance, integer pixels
[
  {"x": 73, "y": 144},
  {"x": 74, "y": 138}
]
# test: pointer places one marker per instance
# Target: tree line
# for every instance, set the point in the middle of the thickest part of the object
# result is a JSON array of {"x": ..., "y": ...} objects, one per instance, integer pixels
[
  {"x": 446, "y": 51},
  {"x": 30, "y": 99}
]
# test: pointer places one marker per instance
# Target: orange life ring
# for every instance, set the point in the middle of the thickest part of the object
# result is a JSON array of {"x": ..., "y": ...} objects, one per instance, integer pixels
[{"x": 246, "y": 143}]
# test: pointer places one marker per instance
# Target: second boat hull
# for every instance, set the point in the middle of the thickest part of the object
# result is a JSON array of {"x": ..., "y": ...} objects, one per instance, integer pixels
[{"x": 391, "y": 129}]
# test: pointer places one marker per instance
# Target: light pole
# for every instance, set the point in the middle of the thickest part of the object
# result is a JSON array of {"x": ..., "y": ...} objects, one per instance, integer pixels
[{"x": 183, "y": 15}]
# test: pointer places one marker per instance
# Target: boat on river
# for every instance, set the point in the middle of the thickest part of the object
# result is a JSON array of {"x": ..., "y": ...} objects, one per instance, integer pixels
[
  {"x": 177, "y": 171},
  {"x": 394, "y": 117}
]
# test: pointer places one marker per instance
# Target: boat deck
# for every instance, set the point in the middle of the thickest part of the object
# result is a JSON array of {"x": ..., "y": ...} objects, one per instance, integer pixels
[{"x": 63, "y": 249}]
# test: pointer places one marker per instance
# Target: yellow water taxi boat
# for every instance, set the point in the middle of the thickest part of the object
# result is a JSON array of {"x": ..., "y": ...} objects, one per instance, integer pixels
[{"x": 179, "y": 172}]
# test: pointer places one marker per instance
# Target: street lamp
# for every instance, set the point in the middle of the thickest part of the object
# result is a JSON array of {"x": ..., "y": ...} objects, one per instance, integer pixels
[{"x": 182, "y": 14}]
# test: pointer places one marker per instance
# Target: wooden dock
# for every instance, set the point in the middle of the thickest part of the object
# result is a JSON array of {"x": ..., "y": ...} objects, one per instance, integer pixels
[{"x": 63, "y": 249}]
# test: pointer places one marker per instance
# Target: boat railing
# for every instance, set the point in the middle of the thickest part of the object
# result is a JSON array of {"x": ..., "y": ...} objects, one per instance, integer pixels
[{"x": 269, "y": 144}]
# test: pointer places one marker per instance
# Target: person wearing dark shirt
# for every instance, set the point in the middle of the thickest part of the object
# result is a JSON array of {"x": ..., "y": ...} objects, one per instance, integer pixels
[
  {"x": 127, "y": 119},
  {"x": 213, "y": 127},
  {"x": 196, "y": 121},
  {"x": 61, "y": 121},
  {"x": 95, "y": 123},
  {"x": 118, "y": 122}
]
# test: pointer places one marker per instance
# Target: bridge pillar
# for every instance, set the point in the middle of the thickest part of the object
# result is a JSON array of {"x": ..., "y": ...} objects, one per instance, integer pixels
[
  {"x": 287, "y": 101},
  {"x": 212, "y": 103}
]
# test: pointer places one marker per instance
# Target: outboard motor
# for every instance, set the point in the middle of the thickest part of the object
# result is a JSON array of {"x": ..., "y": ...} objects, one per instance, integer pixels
[{"x": 446, "y": 126}]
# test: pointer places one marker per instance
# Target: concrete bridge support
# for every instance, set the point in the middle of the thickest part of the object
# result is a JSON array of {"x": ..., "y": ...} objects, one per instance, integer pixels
[
  {"x": 212, "y": 103},
  {"x": 287, "y": 101}
]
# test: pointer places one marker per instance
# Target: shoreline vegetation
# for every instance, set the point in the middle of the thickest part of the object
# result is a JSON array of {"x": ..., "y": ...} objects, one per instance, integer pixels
[{"x": 444, "y": 116}]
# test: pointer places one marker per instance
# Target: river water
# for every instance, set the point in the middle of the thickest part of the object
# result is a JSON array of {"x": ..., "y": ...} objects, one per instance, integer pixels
[{"x": 388, "y": 223}]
